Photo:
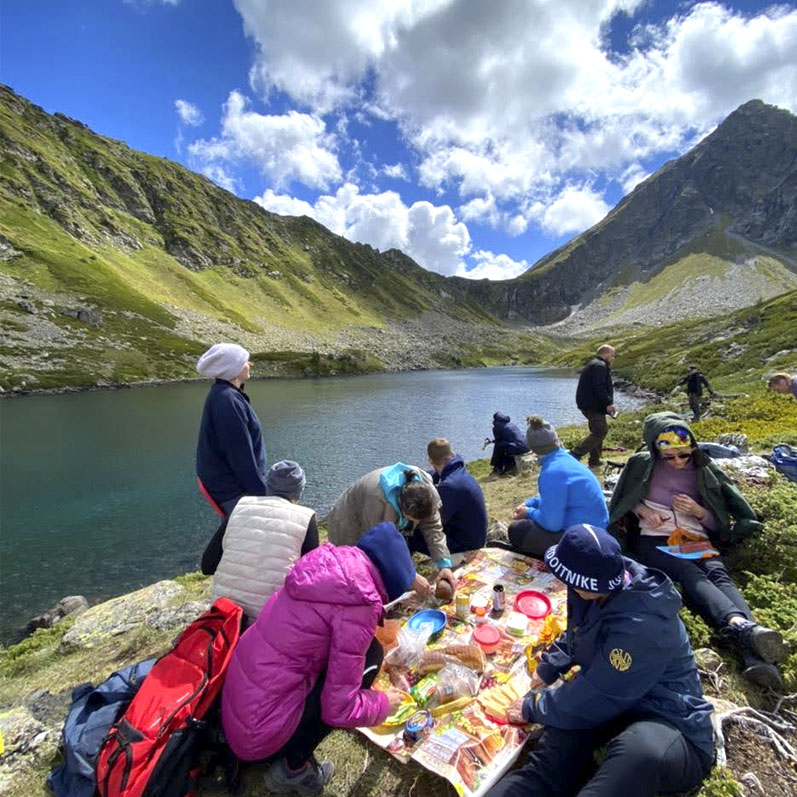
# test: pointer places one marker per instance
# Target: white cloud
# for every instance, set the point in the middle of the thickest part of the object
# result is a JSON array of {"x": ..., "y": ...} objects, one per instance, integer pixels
[
  {"x": 395, "y": 171},
  {"x": 481, "y": 209},
  {"x": 221, "y": 177},
  {"x": 430, "y": 234},
  {"x": 285, "y": 147},
  {"x": 574, "y": 209},
  {"x": 517, "y": 100},
  {"x": 189, "y": 114},
  {"x": 632, "y": 177},
  {"x": 493, "y": 267}
]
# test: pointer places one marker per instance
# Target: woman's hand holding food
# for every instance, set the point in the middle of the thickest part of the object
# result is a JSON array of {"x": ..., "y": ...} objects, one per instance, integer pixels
[
  {"x": 683, "y": 503},
  {"x": 653, "y": 518},
  {"x": 422, "y": 586},
  {"x": 394, "y": 699}
]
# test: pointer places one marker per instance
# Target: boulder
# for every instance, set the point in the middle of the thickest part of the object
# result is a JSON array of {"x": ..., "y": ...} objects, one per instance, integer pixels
[
  {"x": 120, "y": 615},
  {"x": 72, "y": 604},
  {"x": 177, "y": 617},
  {"x": 27, "y": 743}
]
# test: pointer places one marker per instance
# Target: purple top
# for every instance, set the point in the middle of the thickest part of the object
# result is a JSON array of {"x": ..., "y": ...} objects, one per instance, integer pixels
[
  {"x": 794, "y": 386},
  {"x": 666, "y": 482}
]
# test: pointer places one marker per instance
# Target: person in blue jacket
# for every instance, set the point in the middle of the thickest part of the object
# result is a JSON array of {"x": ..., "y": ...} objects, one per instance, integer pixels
[
  {"x": 463, "y": 513},
  {"x": 638, "y": 691},
  {"x": 568, "y": 493},
  {"x": 508, "y": 442},
  {"x": 230, "y": 453}
]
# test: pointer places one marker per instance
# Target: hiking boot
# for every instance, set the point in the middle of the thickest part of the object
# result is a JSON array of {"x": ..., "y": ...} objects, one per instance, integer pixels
[
  {"x": 764, "y": 642},
  {"x": 761, "y": 673},
  {"x": 497, "y": 533},
  {"x": 310, "y": 779}
]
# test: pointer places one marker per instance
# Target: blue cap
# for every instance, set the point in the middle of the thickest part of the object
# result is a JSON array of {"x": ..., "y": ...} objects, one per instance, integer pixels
[
  {"x": 587, "y": 558},
  {"x": 387, "y": 549}
]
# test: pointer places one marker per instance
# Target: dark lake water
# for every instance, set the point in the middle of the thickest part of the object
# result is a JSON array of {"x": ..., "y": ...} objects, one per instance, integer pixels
[{"x": 98, "y": 493}]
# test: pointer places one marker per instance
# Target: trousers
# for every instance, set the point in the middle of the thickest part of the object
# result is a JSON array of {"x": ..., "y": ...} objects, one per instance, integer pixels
[
  {"x": 312, "y": 730},
  {"x": 592, "y": 444},
  {"x": 707, "y": 586},
  {"x": 531, "y": 539},
  {"x": 644, "y": 757}
]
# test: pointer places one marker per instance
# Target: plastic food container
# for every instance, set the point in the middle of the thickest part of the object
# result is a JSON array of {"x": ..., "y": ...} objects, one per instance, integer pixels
[
  {"x": 517, "y": 624},
  {"x": 487, "y": 637}
]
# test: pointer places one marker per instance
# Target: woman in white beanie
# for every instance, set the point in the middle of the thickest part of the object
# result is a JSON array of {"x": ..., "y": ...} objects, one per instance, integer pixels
[{"x": 230, "y": 454}]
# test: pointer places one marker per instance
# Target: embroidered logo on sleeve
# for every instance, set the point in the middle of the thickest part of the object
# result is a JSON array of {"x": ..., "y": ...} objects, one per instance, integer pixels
[{"x": 620, "y": 659}]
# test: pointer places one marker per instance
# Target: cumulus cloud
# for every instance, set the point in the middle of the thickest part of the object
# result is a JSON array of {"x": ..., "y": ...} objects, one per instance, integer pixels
[
  {"x": 189, "y": 114},
  {"x": 487, "y": 265},
  {"x": 430, "y": 234},
  {"x": 285, "y": 147},
  {"x": 512, "y": 102},
  {"x": 632, "y": 177},
  {"x": 396, "y": 171},
  {"x": 222, "y": 177}
]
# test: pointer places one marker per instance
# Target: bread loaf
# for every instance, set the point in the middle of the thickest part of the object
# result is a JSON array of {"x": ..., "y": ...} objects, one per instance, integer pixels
[
  {"x": 470, "y": 655},
  {"x": 433, "y": 660}
]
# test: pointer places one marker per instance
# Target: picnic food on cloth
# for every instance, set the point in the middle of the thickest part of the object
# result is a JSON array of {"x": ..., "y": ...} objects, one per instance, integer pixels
[
  {"x": 470, "y": 655},
  {"x": 499, "y": 698}
]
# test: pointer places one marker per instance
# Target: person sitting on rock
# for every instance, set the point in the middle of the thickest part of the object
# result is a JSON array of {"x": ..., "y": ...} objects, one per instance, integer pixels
[
  {"x": 568, "y": 493},
  {"x": 674, "y": 491},
  {"x": 783, "y": 383},
  {"x": 401, "y": 494},
  {"x": 638, "y": 691},
  {"x": 230, "y": 453},
  {"x": 307, "y": 664},
  {"x": 265, "y": 537},
  {"x": 507, "y": 442},
  {"x": 463, "y": 513}
]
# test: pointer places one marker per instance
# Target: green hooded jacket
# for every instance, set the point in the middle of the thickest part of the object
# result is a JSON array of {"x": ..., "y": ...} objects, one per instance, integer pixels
[{"x": 717, "y": 492}]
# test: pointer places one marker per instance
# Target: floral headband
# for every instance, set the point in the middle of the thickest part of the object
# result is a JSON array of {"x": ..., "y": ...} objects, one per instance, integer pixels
[{"x": 673, "y": 437}]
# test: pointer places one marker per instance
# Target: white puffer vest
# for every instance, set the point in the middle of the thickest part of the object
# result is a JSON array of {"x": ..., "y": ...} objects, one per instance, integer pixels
[{"x": 263, "y": 541}]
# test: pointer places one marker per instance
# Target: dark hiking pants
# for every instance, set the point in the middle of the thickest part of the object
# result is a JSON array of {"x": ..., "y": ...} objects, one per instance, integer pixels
[
  {"x": 592, "y": 444},
  {"x": 530, "y": 539}
]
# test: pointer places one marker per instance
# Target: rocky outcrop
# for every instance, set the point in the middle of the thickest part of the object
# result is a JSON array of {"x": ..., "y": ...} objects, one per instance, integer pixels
[{"x": 70, "y": 606}]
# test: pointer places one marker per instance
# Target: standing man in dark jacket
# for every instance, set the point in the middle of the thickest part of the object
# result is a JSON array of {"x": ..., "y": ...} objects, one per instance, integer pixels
[
  {"x": 595, "y": 399},
  {"x": 230, "y": 454},
  {"x": 508, "y": 442},
  {"x": 463, "y": 513},
  {"x": 638, "y": 691},
  {"x": 695, "y": 381}
]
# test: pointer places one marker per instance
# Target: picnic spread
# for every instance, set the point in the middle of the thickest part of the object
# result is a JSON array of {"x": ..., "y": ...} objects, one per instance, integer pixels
[{"x": 463, "y": 663}]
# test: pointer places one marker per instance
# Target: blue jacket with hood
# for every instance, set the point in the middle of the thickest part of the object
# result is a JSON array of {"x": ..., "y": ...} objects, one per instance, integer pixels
[
  {"x": 635, "y": 660},
  {"x": 507, "y": 435},
  {"x": 464, "y": 514}
]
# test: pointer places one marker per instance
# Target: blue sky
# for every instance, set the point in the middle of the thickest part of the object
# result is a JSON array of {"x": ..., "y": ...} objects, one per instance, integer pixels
[{"x": 477, "y": 137}]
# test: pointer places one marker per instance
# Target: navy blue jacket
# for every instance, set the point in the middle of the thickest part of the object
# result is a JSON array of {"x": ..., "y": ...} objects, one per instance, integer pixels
[
  {"x": 463, "y": 513},
  {"x": 507, "y": 436},
  {"x": 635, "y": 659},
  {"x": 230, "y": 454},
  {"x": 595, "y": 391}
]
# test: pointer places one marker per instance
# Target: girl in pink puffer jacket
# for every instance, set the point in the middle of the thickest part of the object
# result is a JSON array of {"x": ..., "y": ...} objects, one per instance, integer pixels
[{"x": 306, "y": 665}]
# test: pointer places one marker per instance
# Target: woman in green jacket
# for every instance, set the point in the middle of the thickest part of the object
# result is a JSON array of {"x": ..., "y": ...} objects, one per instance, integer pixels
[{"x": 674, "y": 493}]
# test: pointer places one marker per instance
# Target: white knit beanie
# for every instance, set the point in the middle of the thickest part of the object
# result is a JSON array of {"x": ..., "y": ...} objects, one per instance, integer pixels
[{"x": 223, "y": 361}]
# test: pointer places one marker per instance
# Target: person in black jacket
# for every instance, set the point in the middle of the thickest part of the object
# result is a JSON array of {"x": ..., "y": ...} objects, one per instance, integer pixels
[
  {"x": 508, "y": 441},
  {"x": 230, "y": 454},
  {"x": 695, "y": 381},
  {"x": 595, "y": 399},
  {"x": 638, "y": 690}
]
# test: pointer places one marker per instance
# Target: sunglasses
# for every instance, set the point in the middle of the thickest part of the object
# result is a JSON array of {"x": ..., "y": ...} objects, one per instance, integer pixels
[{"x": 676, "y": 456}]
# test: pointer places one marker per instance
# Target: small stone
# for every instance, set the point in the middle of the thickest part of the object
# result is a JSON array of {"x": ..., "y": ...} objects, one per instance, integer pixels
[{"x": 708, "y": 659}]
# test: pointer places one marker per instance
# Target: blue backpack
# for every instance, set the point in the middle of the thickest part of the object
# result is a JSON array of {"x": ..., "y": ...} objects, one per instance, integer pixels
[
  {"x": 91, "y": 715},
  {"x": 784, "y": 458}
]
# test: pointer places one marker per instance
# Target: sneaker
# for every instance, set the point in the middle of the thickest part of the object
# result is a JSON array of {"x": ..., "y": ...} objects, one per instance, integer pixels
[
  {"x": 310, "y": 779},
  {"x": 498, "y": 532},
  {"x": 764, "y": 642},
  {"x": 761, "y": 673}
]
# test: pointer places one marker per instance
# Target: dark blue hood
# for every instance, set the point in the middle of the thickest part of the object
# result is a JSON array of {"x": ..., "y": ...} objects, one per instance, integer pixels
[{"x": 387, "y": 549}]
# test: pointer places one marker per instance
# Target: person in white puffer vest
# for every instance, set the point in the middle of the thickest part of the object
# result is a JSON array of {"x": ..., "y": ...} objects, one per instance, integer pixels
[{"x": 265, "y": 537}]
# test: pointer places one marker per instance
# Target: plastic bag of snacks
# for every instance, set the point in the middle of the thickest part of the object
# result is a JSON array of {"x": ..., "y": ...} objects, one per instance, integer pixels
[{"x": 455, "y": 681}]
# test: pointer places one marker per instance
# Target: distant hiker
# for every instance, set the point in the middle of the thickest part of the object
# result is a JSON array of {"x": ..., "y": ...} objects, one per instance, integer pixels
[
  {"x": 463, "y": 513},
  {"x": 638, "y": 694},
  {"x": 265, "y": 537},
  {"x": 695, "y": 382},
  {"x": 673, "y": 494},
  {"x": 401, "y": 494},
  {"x": 508, "y": 442},
  {"x": 568, "y": 493},
  {"x": 307, "y": 664},
  {"x": 230, "y": 454},
  {"x": 595, "y": 399},
  {"x": 783, "y": 383}
]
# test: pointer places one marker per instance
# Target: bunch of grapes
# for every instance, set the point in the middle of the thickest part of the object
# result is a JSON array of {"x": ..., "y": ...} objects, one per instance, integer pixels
[{"x": 488, "y": 681}]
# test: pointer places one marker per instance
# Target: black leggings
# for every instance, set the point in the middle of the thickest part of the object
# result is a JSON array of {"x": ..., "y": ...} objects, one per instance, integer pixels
[
  {"x": 312, "y": 730},
  {"x": 530, "y": 539},
  {"x": 643, "y": 758},
  {"x": 707, "y": 586}
]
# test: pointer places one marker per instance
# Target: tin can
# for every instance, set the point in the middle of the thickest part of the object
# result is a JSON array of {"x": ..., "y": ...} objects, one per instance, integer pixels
[
  {"x": 499, "y": 599},
  {"x": 417, "y": 726},
  {"x": 462, "y": 605}
]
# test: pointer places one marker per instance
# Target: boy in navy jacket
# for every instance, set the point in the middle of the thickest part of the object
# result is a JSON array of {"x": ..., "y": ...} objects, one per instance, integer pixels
[{"x": 638, "y": 690}]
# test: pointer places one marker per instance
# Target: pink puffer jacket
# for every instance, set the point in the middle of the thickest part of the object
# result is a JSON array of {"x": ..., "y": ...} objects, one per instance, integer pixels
[{"x": 324, "y": 618}]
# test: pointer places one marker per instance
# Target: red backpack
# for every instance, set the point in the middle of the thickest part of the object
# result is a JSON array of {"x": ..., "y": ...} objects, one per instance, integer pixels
[{"x": 152, "y": 751}]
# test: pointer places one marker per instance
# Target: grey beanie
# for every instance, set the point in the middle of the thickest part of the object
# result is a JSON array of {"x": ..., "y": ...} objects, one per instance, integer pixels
[
  {"x": 223, "y": 361},
  {"x": 540, "y": 435},
  {"x": 285, "y": 479}
]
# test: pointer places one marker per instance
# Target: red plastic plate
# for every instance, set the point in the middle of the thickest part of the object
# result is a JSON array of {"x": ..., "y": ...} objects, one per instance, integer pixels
[
  {"x": 533, "y": 604},
  {"x": 486, "y": 634}
]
